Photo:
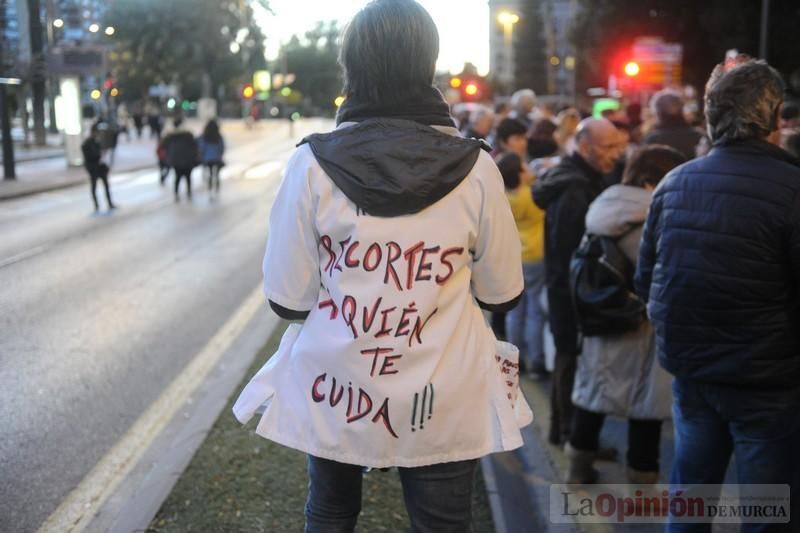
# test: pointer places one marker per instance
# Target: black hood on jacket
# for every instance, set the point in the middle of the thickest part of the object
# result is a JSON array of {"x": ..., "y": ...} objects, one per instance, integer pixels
[
  {"x": 571, "y": 170},
  {"x": 392, "y": 167}
]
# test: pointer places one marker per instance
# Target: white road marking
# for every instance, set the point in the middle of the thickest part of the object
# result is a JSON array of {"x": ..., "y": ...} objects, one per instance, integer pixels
[
  {"x": 78, "y": 508},
  {"x": 16, "y": 258},
  {"x": 264, "y": 170}
]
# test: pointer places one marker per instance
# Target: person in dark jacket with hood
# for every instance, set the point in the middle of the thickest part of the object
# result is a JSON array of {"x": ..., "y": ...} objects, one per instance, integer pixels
[
  {"x": 671, "y": 128},
  {"x": 565, "y": 193},
  {"x": 387, "y": 237},
  {"x": 719, "y": 266}
]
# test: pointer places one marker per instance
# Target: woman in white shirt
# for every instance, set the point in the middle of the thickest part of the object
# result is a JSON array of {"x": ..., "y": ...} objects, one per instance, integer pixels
[{"x": 387, "y": 237}]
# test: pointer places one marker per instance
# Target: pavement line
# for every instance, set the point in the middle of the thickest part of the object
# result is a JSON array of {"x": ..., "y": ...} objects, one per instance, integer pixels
[
  {"x": 79, "y": 507},
  {"x": 22, "y": 256}
]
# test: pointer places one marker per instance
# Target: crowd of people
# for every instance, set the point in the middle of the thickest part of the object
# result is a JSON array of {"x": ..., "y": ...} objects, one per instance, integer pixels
[
  {"x": 569, "y": 177},
  {"x": 177, "y": 150},
  {"x": 716, "y": 252},
  {"x": 660, "y": 255}
]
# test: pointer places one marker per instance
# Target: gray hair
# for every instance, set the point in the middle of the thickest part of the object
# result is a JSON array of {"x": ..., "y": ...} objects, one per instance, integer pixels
[
  {"x": 742, "y": 102},
  {"x": 480, "y": 113},
  {"x": 667, "y": 104},
  {"x": 522, "y": 95}
]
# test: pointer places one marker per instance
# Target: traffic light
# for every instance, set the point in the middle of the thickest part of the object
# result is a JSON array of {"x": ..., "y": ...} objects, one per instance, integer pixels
[
  {"x": 248, "y": 92},
  {"x": 472, "y": 90},
  {"x": 632, "y": 69}
]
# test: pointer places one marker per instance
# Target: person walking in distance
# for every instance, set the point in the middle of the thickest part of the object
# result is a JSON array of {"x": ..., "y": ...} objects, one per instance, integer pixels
[
  {"x": 423, "y": 237},
  {"x": 211, "y": 146},
  {"x": 97, "y": 169},
  {"x": 565, "y": 193},
  {"x": 182, "y": 156},
  {"x": 719, "y": 267}
]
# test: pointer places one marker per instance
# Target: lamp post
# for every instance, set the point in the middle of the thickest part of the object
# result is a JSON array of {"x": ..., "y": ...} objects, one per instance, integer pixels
[{"x": 508, "y": 19}]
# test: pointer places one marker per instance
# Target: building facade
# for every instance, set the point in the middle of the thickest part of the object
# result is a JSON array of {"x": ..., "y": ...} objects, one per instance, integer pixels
[
  {"x": 501, "y": 36},
  {"x": 552, "y": 53}
]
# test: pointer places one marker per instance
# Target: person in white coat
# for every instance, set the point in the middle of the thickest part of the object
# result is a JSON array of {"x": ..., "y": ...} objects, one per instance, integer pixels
[
  {"x": 619, "y": 375},
  {"x": 387, "y": 237}
]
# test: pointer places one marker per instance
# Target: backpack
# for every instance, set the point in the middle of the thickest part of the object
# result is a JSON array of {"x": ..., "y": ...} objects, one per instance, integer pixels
[{"x": 601, "y": 285}]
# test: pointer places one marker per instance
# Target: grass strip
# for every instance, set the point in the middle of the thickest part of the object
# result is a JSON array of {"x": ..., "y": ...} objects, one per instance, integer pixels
[{"x": 238, "y": 481}]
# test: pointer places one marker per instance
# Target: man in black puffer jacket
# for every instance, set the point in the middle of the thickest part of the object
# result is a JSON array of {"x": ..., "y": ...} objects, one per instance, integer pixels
[
  {"x": 720, "y": 267},
  {"x": 565, "y": 193}
]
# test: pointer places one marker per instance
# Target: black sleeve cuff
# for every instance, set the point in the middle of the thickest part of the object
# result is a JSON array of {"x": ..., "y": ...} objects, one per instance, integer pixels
[
  {"x": 288, "y": 314},
  {"x": 501, "y": 307}
]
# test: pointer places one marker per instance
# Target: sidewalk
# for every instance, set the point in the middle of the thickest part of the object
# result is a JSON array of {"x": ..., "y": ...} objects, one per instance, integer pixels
[
  {"x": 52, "y": 173},
  {"x": 523, "y": 477},
  {"x": 46, "y": 170}
]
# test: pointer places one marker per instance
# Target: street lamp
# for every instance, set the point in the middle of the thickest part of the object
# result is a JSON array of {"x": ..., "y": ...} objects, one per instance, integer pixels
[
  {"x": 508, "y": 19},
  {"x": 110, "y": 31},
  {"x": 58, "y": 23},
  {"x": 94, "y": 28}
]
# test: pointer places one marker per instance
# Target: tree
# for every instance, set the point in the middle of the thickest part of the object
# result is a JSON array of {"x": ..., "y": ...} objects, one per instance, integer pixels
[
  {"x": 313, "y": 61},
  {"x": 200, "y": 45},
  {"x": 605, "y": 29},
  {"x": 37, "y": 71}
]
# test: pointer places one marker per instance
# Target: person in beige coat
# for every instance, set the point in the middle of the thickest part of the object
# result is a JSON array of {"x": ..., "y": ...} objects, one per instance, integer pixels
[{"x": 619, "y": 375}]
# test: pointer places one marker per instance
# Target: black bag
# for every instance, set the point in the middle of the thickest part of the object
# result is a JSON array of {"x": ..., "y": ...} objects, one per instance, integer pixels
[{"x": 601, "y": 283}]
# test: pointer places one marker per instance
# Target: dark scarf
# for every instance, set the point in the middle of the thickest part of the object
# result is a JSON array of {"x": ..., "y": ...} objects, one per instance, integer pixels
[{"x": 428, "y": 108}]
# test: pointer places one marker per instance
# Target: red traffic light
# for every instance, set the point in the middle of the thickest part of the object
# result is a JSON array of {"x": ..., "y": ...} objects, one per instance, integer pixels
[
  {"x": 632, "y": 69},
  {"x": 471, "y": 90}
]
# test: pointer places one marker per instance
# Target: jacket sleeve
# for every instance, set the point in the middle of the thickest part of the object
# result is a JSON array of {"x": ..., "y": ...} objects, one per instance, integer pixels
[
  {"x": 291, "y": 262},
  {"x": 647, "y": 251},
  {"x": 794, "y": 248},
  {"x": 566, "y": 226},
  {"x": 497, "y": 256}
]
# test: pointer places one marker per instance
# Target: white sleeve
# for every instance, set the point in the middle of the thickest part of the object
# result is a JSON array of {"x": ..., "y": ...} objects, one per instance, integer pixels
[
  {"x": 497, "y": 260},
  {"x": 291, "y": 262}
]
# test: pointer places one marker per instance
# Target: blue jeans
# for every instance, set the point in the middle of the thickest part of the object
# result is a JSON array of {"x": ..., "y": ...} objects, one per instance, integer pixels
[
  {"x": 438, "y": 497},
  {"x": 760, "y": 427},
  {"x": 525, "y": 323}
]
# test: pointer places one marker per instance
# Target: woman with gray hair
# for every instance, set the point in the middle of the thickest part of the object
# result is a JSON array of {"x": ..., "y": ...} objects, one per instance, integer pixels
[
  {"x": 522, "y": 104},
  {"x": 387, "y": 238}
]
